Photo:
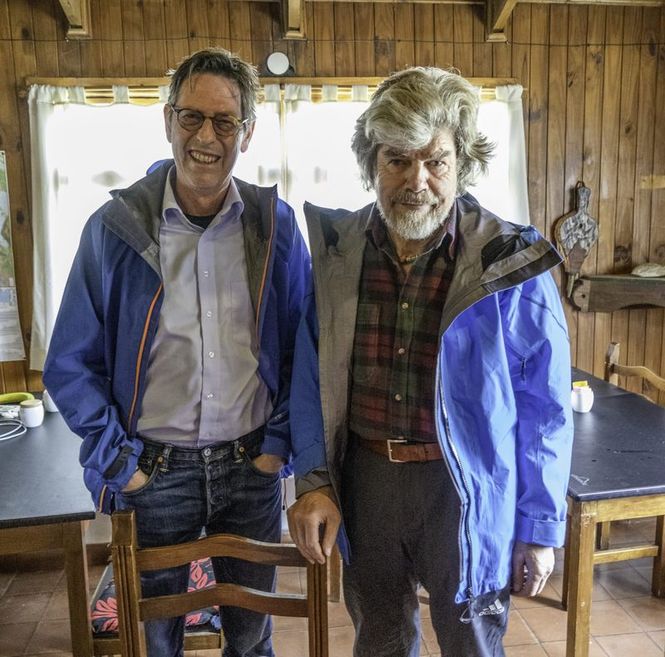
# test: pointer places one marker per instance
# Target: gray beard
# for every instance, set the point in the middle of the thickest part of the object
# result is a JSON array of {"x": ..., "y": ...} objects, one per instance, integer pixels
[{"x": 413, "y": 225}]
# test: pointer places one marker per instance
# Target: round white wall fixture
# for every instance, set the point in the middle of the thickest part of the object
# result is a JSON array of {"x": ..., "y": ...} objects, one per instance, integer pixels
[{"x": 277, "y": 63}]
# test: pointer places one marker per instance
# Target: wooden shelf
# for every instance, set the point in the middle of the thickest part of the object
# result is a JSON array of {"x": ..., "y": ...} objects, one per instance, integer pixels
[{"x": 606, "y": 294}]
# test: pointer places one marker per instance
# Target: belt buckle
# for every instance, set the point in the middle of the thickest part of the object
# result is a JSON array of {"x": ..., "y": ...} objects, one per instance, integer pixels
[{"x": 390, "y": 449}]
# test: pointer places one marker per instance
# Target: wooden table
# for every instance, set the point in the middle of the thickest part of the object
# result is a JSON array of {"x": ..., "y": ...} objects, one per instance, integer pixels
[
  {"x": 44, "y": 504},
  {"x": 617, "y": 473}
]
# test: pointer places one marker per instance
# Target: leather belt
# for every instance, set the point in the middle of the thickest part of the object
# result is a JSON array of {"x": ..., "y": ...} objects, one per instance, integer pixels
[{"x": 401, "y": 451}]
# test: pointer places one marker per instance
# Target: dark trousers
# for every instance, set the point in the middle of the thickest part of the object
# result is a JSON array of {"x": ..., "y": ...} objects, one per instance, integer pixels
[
  {"x": 402, "y": 521},
  {"x": 216, "y": 489}
]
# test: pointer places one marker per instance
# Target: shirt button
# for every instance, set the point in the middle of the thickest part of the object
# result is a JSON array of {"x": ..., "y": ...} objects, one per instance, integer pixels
[
  {"x": 206, "y": 273},
  {"x": 210, "y": 395},
  {"x": 209, "y": 313},
  {"x": 401, "y": 351},
  {"x": 405, "y": 305},
  {"x": 211, "y": 354},
  {"x": 398, "y": 397}
]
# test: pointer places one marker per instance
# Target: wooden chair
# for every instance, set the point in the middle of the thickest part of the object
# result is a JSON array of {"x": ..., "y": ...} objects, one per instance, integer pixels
[
  {"x": 613, "y": 370},
  {"x": 133, "y": 609}
]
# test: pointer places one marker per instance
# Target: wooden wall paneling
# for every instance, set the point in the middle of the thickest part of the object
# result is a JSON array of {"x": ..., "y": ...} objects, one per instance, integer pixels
[
  {"x": 279, "y": 43},
  {"x": 463, "y": 38},
  {"x": 301, "y": 51},
  {"x": 133, "y": 38},
  {"x": 154, "y": 28},
  {"x": 197, "y": 26},
  {"x": 626, "y": 178},
  {"x": 175, "y": 25},
  {"x": 557, "y": 200},
  {"x": 240, "y": 26},
  {"x": 25, "y": 64},
  {"x": 646, "y": 135},
  {"x": 110, "y": 31},
  {"x": 482, "y": 49},
  {"x": 592, "y": 144},
  {"x": 91, "y": 49},
  {"x": 520, "y": 27},
  {"x": 609, "y": 160},
  {"x": 218, "y": 24},
  {"x": 405, "y": 36},
  {"x": 5, "y": 32},
  {"x": 657, "y": 247},
  {"x": 384, "y": 38},
  {"x": 345, "y": 54},
  {"x": 423, "y": 17},
  {"x": 324, "y": 38},
  {"x": 44, "y": 22},
  {"x": 444, "y": 51},
  {"x": 574, "y": 153},
  {"x": 502, "y": 52},
  {"x": 363, "y": 23},
  {"x": 261, "y": 19}
]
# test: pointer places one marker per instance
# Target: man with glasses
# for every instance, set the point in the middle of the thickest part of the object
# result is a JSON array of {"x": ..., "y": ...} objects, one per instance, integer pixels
[{"x": 171, "y": 354}]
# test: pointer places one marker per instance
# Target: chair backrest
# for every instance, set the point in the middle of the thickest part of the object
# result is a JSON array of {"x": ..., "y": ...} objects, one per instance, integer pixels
[
  {"x": 133, "y": 609},
  {"x": 613, "y": 370}
]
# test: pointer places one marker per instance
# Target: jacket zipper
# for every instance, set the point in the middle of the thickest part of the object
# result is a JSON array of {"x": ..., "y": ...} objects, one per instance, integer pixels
[{"x": 467, "y": 614}]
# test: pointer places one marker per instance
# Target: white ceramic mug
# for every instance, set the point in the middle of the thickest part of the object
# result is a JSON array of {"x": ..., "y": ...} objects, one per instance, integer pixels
[
  {"x": 49, "y": 404},
  {"x": 31, "y": 412},
  {"x": 581, "y": 399}
]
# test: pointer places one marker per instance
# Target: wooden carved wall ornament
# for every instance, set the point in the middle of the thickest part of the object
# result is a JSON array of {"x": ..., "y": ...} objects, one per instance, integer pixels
[{"x": 575, "y": 234}]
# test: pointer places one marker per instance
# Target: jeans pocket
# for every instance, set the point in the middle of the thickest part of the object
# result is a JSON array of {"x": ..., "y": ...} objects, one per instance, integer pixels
[
  {"x": 151, "y": 468},
  {"x": 249, "y": 457}
]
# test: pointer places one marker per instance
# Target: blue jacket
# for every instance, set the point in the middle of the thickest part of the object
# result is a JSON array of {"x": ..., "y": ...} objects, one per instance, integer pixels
[
  {"x": 98, "y": 356},
  {"x": 502, "y": 380}
]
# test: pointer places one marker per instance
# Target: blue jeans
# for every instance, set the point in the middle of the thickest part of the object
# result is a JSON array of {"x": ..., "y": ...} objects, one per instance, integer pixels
[{"x": 216, "y": 490}]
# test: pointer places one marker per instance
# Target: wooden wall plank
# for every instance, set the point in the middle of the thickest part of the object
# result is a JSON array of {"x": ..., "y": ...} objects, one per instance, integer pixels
[
  {"x": 444, "y": 51},
  {"x": 324, "y": 38},
  {"x": 5, "y": 32},
  {"x": 197, "y": 26},
  {"x": 218, "y": 25},
  {"x": 345, "y": 54},
  {"x": 154, "y": 27},
  {"x": 91, "y": 49},
  {"x": 363, "y": 16},
  {"x": 482, "y": 50},
  {"x": 240, "y": 26},
  {"x": 44, "y": 21},
  {"x": 175, "y": 24},
  {"x": 463, "y": 38},
  {"x": 301, "y": 52},
  {"x": 133, "y": 38},
  {"x": 424, "y": 34},
  {"x": 384, "y": 39},
  {"x": 623, "y": 234},
  {"x": 110, "y": 29},
  {"x": 404, "y": 36},
  {"x": 502, "y": 54},
  {"x": 261, "y": 21}
]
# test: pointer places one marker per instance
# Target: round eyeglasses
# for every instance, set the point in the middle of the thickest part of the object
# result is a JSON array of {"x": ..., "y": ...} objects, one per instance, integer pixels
[{"x": 224, "y": 125}]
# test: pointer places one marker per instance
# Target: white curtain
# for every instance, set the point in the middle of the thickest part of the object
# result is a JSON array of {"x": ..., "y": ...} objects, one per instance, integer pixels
[{"x": 80, "y": 152}]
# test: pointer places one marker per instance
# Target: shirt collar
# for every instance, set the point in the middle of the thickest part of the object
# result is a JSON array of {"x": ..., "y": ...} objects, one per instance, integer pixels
[
  {"x": 229, "y": 212},
  {"x": 378, "y": 235}
]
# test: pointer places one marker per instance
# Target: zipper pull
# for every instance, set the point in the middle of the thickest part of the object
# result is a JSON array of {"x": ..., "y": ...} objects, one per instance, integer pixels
[{"x": 468, "y": 614}]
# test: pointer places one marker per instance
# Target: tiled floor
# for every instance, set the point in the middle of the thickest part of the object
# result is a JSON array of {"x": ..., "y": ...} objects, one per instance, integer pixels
[{"x": 626, "y": 620}]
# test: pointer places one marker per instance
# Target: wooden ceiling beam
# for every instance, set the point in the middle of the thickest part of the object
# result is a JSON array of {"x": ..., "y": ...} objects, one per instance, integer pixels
[
  {"x": 293, "y": 19},
  {"x": 497, "y": 13},
  {"x": 78, "y": 17}
]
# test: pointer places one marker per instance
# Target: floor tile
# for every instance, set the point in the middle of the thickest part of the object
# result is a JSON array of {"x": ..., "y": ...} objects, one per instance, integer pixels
[
  {"x": 621, "y": 645},
  {"x": 518, "y": 631},
  {"x": 58, "y": 606},
  {"x": 341, "y": 642},
  {"x": 22, "y": 608},
  {"x": 50, "y": 636},
  {"x": 549, "y": 593},
  {"x": 658, "y": 638},
  {"x": 623, "y": 583},
  {"x": 546, "y": 623},
  {"x": 15, "y": 637},
  {"x": 609, "y": 617},
  {"x": 649, "y": 612},
  {"x": 558, "y": 649},
  {"x": 525, "y": 651},
  {"x": 39, "y": 581}
]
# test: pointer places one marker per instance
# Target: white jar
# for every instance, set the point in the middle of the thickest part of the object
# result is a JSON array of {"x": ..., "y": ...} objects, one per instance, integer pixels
[
  {"x": 31, "y": 412},
  {"x": 581, "y": 399}
]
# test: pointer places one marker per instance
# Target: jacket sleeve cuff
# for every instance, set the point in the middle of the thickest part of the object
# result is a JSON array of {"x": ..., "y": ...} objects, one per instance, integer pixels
[
  {"x": 549, "y": 533},
  {"x": 313, "y": 480},
  {"x": 276, "y": 446}
]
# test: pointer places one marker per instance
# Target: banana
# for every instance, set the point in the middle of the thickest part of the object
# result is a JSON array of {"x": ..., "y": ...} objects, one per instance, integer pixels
[{"x": 15, "y": 397}]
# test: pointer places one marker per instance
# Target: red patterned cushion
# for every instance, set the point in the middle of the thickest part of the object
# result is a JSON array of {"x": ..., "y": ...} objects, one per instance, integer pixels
[{"x": 104, "y": 614}]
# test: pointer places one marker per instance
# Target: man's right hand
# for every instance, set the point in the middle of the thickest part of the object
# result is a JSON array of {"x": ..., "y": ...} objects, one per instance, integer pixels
[
  {"x": 139, "y": 478},
  {"x": 306, "y": 517}
]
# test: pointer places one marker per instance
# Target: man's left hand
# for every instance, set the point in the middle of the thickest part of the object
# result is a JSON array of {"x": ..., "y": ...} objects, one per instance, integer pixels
[
  {"x": 268, "y": 463},
  {"x": 532, "y": 565}
]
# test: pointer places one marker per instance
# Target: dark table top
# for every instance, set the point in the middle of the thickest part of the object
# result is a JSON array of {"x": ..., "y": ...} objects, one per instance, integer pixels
[
  {"x": 41, "y": 481},
  {"x": 619, "y": 446}
]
